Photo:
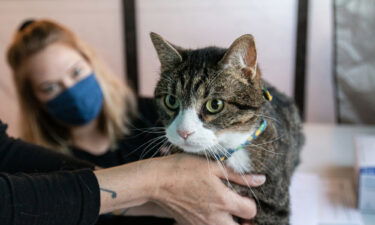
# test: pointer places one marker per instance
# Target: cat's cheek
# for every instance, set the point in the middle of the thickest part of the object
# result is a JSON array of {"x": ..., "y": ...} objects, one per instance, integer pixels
[
  {"x": 173, "y": 138},
  {"x": 240, "y": 161}
]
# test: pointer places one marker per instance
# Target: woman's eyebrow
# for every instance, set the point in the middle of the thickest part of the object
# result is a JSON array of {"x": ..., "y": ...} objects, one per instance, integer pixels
[
  {"x": 73, "y": 65},
  {"x": 46, "y": 82}
]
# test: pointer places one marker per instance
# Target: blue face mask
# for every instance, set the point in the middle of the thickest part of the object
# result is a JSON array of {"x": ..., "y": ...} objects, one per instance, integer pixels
[{"x": 79, "y": 104}]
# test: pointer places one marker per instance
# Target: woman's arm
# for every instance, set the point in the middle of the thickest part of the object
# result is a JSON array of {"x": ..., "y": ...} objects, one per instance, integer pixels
[
  {"x": 187, "y": 187},
  {"x": 60, "y": 198}
]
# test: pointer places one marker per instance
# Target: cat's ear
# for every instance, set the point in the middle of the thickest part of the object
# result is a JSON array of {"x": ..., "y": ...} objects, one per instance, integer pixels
[
  {"x": 168, "y": 54},
  {"x": 242, "y": 55}
]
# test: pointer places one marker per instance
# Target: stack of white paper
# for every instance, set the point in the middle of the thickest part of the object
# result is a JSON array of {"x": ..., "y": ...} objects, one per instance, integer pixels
[{"x": 304, "y": 199}]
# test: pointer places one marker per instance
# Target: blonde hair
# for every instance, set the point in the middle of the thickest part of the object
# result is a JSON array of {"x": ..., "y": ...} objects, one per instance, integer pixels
[{"x": 36, "y": 125}]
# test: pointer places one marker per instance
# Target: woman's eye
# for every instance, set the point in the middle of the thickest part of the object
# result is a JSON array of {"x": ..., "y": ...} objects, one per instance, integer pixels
[
  {"x": 214, "y": 106},
  {"x": 171, "y": 102},
  {"x": 76, "y": 72},
  {"x": 50, "y": 89}
]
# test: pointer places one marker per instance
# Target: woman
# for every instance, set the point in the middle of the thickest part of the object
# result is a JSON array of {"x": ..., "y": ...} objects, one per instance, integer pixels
[{"x": 70, "y": 102}]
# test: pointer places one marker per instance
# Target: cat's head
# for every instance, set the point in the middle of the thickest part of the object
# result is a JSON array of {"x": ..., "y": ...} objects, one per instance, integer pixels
[{"x": 209, "y": 99}]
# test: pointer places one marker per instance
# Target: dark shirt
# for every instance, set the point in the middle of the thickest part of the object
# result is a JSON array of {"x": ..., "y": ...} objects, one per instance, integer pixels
[
  {"x": 143, "y": 141},
  {"x": 60, "y": 197}
]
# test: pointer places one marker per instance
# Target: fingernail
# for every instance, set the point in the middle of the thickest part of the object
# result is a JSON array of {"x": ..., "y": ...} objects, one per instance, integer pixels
[{"x": 259, "y": 179}]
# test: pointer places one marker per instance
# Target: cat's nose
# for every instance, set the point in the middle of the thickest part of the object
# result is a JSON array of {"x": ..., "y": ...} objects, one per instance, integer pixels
[{"x": 184, "y": 133}]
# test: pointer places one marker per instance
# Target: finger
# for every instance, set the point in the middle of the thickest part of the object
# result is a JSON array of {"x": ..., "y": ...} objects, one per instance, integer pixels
[
  {"x": 252, "y": 180},
  {"x": 237, "y": 205}
]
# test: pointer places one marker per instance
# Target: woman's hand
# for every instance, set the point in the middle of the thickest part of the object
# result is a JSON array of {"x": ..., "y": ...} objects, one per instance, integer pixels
[{"x": 190, "y": 188}]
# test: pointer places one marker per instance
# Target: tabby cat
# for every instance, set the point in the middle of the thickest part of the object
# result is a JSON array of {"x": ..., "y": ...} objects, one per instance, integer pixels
[{"x": 214, "y": 102}]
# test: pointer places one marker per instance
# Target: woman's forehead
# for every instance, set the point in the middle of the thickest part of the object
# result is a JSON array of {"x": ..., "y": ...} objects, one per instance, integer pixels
[{"x": 52, "y": 62}]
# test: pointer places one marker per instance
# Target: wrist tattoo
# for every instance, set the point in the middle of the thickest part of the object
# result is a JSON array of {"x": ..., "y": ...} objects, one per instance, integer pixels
[{"x": 113, "y": 193}]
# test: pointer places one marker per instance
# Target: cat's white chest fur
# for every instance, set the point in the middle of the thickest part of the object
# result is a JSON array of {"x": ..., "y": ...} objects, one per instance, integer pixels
[{"x": 239, "y": 161}]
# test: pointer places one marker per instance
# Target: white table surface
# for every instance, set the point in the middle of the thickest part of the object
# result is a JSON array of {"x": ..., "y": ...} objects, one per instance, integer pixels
[{"x": 329, "y": 151}]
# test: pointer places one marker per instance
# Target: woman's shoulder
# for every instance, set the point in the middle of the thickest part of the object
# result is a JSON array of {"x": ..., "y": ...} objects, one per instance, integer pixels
[
  {"x": 3, "y": 128},
  {"x": 146, "y": 103},
  {"x": 142, "y": 132},
  {"x": 147, "y": 111}
]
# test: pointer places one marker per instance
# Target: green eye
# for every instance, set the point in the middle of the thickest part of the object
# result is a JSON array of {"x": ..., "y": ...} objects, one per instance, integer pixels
[
  {"x": 214, "y": 106},
  {"x": 171, "y": 102}
]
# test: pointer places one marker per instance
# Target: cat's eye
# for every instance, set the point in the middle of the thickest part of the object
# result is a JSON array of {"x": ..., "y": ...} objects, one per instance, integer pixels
[
  {"x": 214, "y": 106},
  {"x": 171, "y": 102}
]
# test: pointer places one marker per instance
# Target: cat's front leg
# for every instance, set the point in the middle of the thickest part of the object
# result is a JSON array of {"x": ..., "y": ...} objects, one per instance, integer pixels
[{"x": 272, "y": 215}]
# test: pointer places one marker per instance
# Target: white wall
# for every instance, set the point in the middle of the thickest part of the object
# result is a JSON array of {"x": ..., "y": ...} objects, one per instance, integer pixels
[
  {"x": 320, "y": 105},
  {"x": 97, "y": 22},
  {"x": 197, "y": 23}
]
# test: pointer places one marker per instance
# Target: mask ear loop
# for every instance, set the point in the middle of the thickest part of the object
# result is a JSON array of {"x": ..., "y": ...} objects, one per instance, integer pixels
[{"x": 267, "y": 95}]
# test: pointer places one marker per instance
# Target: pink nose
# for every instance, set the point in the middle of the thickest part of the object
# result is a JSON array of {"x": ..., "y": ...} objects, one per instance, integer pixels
[{"x": 184, "y": 133}]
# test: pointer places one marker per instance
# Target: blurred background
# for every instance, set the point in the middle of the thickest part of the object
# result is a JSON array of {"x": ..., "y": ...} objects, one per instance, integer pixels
[{"x": 119, "y": 31}]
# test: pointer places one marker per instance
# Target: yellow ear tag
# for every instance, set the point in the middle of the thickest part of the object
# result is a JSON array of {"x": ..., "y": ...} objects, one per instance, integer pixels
[{"x": 267, "y": 94}]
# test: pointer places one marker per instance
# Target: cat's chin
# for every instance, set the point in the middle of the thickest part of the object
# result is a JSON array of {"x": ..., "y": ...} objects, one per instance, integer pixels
[
  {"x": 239, "y": 161},
  {"x": 206, "y": 151},
  {"x": 192, "y": 149}
]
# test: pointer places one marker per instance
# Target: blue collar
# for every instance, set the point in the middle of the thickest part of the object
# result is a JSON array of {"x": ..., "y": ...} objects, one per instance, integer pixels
[{"x": 224, "y": 156}]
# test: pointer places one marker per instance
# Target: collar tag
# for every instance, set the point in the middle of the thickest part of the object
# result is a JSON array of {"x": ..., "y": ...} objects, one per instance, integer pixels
[
  {"x": 267, "y": 95},
  {"x": 224, "y": 156}
]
